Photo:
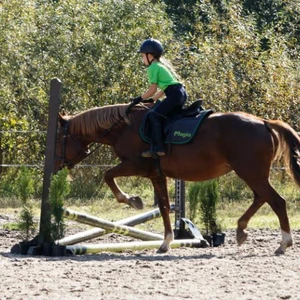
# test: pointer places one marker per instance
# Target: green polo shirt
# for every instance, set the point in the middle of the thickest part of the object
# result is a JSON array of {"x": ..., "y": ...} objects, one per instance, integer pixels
[{"x": 159, "y": 74}]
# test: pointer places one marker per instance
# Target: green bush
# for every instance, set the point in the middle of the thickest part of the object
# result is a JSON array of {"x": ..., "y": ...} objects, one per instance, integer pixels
[
  {"x": 232, "y": 188},
  {"x": 24, "y": 184},
  {"x": 193, "y": 199},
  {"x": 26, "y": 223},
  {"x": 203, "y": 198},
  {"x": 24, "y": 190},
  {"x": 58, "y": 191}
]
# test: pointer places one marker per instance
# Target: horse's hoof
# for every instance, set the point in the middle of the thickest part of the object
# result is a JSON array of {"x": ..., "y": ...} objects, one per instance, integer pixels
[
  {"x": 241, "y": 236},
  {"x": 279, "y": 251},
  {"x": 162, "y": 249},
  {"x": 283, "y": 247},
  {"x": 136, "y": 202}
]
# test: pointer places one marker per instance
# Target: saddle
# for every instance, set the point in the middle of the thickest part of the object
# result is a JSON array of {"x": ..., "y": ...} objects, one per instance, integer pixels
[
  {"x": 190, "y": 111},
  {"x": 181, "y": 127}
]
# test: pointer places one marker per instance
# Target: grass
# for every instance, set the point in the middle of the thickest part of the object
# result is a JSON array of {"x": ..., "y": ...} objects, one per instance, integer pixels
[
  {"x": 10, "y": 202},
  {"x": 228, "y": 211},
  {"x": 110, "y": 210},
  {"x": 12, "y": 226}
]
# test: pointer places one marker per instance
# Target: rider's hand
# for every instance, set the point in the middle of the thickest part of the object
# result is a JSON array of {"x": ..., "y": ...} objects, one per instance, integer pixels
[{"x": 136, "y": 100}]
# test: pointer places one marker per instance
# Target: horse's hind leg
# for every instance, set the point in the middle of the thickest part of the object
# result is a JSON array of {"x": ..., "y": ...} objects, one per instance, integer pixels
[
  {"x": 265, "y": 193},
  {"x": 278, "y": 204},
  {"x": 241, "y": 234}
]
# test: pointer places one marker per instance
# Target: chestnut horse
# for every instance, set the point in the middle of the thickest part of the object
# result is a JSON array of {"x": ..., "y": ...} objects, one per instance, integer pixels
[{"x": 225, "y": 142}]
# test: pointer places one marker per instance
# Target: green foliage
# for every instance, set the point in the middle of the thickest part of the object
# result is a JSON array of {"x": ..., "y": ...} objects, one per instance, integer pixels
[
  {"x": 203, "y": 197},
  {"x": 24, "y": 190},
  {"x": 7, "y": 184},
  {"x": 58, "y": 191},
  {"x": 90, "y": 45},
  {"x": 27, "y": 221},
  {"x": 11, "y": 226},
  {"x": 25, "y": 184},
  {"x": 193, "y": 200},
  {"x": 227, "y": 63},
  {"x": 233, "y": 189},
  {"x": 17, "y": 184},
  {"x": 237, "y": 55}
]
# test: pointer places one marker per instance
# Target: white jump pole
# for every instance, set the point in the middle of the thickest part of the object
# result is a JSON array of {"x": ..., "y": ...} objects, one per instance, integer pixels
[
  {"x": 110, "y": 226},
  {"x": 119, "y": 247},
  {"x": 96, "y": 232}
]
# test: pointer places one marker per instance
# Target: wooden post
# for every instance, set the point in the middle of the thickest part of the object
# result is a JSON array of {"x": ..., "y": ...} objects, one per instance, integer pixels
[{"x": 45, "y": 219}]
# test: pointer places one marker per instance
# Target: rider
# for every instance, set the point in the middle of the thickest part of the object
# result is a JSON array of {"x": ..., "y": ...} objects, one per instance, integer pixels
[{"x": 163, "y": 77}]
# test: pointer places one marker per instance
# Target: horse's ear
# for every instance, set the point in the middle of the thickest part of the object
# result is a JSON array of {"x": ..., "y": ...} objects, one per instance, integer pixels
[{"x": 61, "y": 120}]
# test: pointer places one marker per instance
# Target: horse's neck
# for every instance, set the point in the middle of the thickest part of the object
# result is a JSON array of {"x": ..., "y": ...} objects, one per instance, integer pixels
[{"x": 115, "y": 132}]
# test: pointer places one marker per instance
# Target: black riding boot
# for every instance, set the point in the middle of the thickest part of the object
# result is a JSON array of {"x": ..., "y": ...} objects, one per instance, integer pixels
[{"x": 157, "y": 146}]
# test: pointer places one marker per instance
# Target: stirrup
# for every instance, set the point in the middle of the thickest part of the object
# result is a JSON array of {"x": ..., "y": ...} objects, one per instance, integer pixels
[
  {"x": 147, "y": 154},
  {"x": 160, "y": 153}
]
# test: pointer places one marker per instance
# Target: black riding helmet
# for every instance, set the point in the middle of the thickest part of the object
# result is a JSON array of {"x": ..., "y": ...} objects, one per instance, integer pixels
[{"x": 153, "y": 47}]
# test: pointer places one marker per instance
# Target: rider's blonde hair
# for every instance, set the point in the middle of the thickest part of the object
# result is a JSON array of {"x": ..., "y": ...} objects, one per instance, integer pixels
[{"x": 169, "y": 65}]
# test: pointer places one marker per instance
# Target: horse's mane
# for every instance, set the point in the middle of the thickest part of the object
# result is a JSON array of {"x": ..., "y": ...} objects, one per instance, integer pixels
[{"x": 89, "y": 121}]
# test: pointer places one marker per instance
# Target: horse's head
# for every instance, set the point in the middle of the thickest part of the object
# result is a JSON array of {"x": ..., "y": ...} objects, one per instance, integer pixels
[
  {"x": 70, "y": 149},
  {"x": 76, "y": 132}
]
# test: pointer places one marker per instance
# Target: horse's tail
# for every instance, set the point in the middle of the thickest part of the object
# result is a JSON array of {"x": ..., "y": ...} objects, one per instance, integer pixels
[{"x": 288, "y": 146}]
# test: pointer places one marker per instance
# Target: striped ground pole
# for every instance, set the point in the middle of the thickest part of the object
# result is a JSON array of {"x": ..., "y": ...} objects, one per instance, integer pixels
[
  {"x": 96, "y": 232},
  {"x": 110, "y": 226},
  {"x": 139, "y": 245}
]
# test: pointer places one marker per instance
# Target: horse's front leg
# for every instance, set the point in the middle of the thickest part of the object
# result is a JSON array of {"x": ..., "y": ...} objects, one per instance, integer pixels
[
  {"x": 123, "y": 169},
  {"x": 160, "y": 187}
]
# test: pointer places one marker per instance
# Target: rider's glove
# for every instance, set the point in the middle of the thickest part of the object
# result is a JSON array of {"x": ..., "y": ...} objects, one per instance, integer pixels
[{"x": 136, "y": 100}]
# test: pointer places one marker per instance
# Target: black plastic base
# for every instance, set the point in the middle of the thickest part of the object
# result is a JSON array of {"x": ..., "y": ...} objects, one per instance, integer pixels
[
  {"x": 216, "y": 239},
  {"x": 181, "y": 234},
  {"x": 46, "y": 249}
]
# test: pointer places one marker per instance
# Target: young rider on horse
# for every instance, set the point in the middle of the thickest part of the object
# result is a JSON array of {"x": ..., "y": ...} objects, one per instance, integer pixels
[{"x": 162, "y": 77}]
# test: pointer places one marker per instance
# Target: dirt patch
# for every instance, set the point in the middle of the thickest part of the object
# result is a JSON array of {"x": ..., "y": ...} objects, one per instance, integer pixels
[{"x": 251, "y": 271}]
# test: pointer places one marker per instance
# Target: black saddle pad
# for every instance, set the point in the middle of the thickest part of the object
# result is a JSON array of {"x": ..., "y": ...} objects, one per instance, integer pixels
[{"x": 179, "y": 131}]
